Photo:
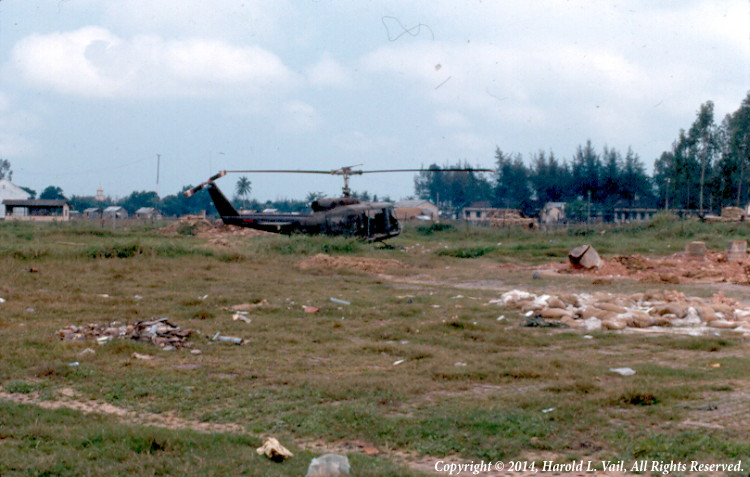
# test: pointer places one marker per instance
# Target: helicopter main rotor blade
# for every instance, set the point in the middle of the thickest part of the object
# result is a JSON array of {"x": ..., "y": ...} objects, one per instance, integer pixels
[
  {"x": 280, "y": 171},
  {"x": 429, "y": 170}
]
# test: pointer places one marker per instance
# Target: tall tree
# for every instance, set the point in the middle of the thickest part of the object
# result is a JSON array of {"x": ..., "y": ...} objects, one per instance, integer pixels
[
  {"x": 551, "y": 181},
  {"x": 702, "y": 138},
  {"x": 512, "y": 187},
  {"x": 5, "y": 170},
  {"x": 738, "y": 143},
  {"x": 243, "y": 189},
  {"x": 454, "y": 189},
  {"x": 52, "y": 193}
]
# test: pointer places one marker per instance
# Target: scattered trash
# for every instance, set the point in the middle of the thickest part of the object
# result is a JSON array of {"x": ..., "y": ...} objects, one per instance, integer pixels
[
  {"x": 623, "y": 371},
  {"x": 143, "y": 357},
  {"x": 33, "y": 270},
  {"x": 103, "y": 295},
  {"x": 588, "y": 337},
  {"x": 240, "y": 317},
  {"x": 397, "y": 362},
  {"x": 714, "y": 365},
  {"x": 74, "y": 363},
  {"x": 159, "y": 332},
  {"x": 539, "y": 322},
  {"x": 460, "y": 364},
  {"x": 329, "y": 465},
  {"x": 310, "y": 309},
  {"x": 249, "y": 306},
  {"x": 501, "y": 318},
  {"x": 86, "y": 353},
  {"x": 536, "y": 275},
  {"x": 340, "y": 302},
  {"x": 227, "y": 339},
  {"x": 196, "y": 351},
  {"x": 2, "y": 300},
  {"x": 137, "y": 297},
  {"x": 203, "y": 298},
  {"x": 272, "y": 449},
  {"x": 549, "y": 409},
  {"x": 30, "y": 310}
]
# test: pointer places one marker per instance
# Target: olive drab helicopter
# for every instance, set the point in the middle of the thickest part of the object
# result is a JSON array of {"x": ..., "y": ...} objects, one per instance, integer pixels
[{"x": 345, "y": 215}]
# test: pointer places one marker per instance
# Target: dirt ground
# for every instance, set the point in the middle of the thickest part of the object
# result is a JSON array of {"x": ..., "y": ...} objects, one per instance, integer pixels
[{"x": 678, "y": 268}]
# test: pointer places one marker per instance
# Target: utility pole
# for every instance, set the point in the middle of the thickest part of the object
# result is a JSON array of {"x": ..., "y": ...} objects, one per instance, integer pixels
[{"x": 158, "y": 167}]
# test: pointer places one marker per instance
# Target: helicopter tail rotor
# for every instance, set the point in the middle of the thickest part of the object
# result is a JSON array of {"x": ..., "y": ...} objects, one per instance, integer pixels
[{"x": 195, "y": 189}]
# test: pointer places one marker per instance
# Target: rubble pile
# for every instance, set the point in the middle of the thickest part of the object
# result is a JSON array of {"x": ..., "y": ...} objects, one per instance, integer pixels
[
  {"x": 608, "y": 311},
  {"x": 728, "y": 214},
  {"x": 501, "y": 218},
  {"x": 159, "y": 332},
  {"x": 201, "y": 227},
  {"x": 713, "y": 267}
]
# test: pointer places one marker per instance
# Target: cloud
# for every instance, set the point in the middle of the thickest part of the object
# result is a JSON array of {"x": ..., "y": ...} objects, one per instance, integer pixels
[
  {"x": 452, "y": 120},
  {"x": 329, "y": 72},
  {"x": 299, "y": 117},
  {"x": 93, "y": 62},
  {"x": 359, "y": 142}
]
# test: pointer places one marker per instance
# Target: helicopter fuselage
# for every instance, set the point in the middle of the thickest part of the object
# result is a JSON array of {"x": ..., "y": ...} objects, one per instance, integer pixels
[{"x": 345, "y": 216}]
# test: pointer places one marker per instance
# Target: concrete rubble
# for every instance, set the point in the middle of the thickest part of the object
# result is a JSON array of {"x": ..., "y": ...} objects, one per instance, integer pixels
[
  {"x": 159, "y": 332},
  {"x": 653, "y": 309},
  {"x": 694, "y": 264},
  {"x": 329, "y": 465},
  {"x": 584, "y": 256}
]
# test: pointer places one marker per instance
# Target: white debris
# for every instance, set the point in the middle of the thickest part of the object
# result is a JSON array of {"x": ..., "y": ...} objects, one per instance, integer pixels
[{"x": 623, "y": 371}]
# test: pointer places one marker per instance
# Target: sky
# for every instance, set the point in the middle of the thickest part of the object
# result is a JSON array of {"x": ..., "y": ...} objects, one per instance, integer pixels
[{"x": 154, "y": 95}]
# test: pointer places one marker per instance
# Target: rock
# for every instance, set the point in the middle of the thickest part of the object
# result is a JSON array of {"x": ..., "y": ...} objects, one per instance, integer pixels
[
  {"x": 611, "y": 307},
  {"x": 706, "y": 313},
  {"x": 329, "y": 465},
  {"x": 592, "y": 324},
  {"x": 567, "y": 320},
  {"x": 584, "y": 256},
  {"x": 555, "y": 313},
  {"x": 612, "y": 324},
  {"x": 723, "y": 324}
]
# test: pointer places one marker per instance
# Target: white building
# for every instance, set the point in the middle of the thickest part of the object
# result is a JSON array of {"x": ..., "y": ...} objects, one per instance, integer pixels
[{"x": 10, "y": 191}]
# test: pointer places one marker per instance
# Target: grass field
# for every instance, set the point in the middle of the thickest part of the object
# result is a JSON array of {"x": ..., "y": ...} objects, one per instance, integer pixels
[{"x": 417, "y": 366}]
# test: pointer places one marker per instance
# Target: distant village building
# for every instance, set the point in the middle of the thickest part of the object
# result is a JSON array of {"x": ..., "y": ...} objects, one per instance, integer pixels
[
  {"x": 553, "y": 213},
  {"x": 625, "y": 215},
  {"x": 92, "y": 213},
  {"x": 37, "y": 210},
  {"x": 10, "y": 191},
  {"x": 114, "y": 212},
  {"x": 100, "y": 195},
  {"x": 496, "y": 217},
  {"x": 148, "y": 213},
  {"x": 413, "y": 209}
]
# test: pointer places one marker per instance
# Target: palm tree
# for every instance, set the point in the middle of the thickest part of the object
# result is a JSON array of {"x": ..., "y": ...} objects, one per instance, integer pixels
[{"x": 243, "y": 188}]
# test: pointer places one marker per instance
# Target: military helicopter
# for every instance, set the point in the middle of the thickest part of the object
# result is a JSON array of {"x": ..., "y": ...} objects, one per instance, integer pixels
[{"x": 346, "y": 216}]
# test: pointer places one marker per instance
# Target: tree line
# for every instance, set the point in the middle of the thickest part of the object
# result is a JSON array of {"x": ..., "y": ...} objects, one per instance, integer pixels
[{"x": 707, "y": 168}]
